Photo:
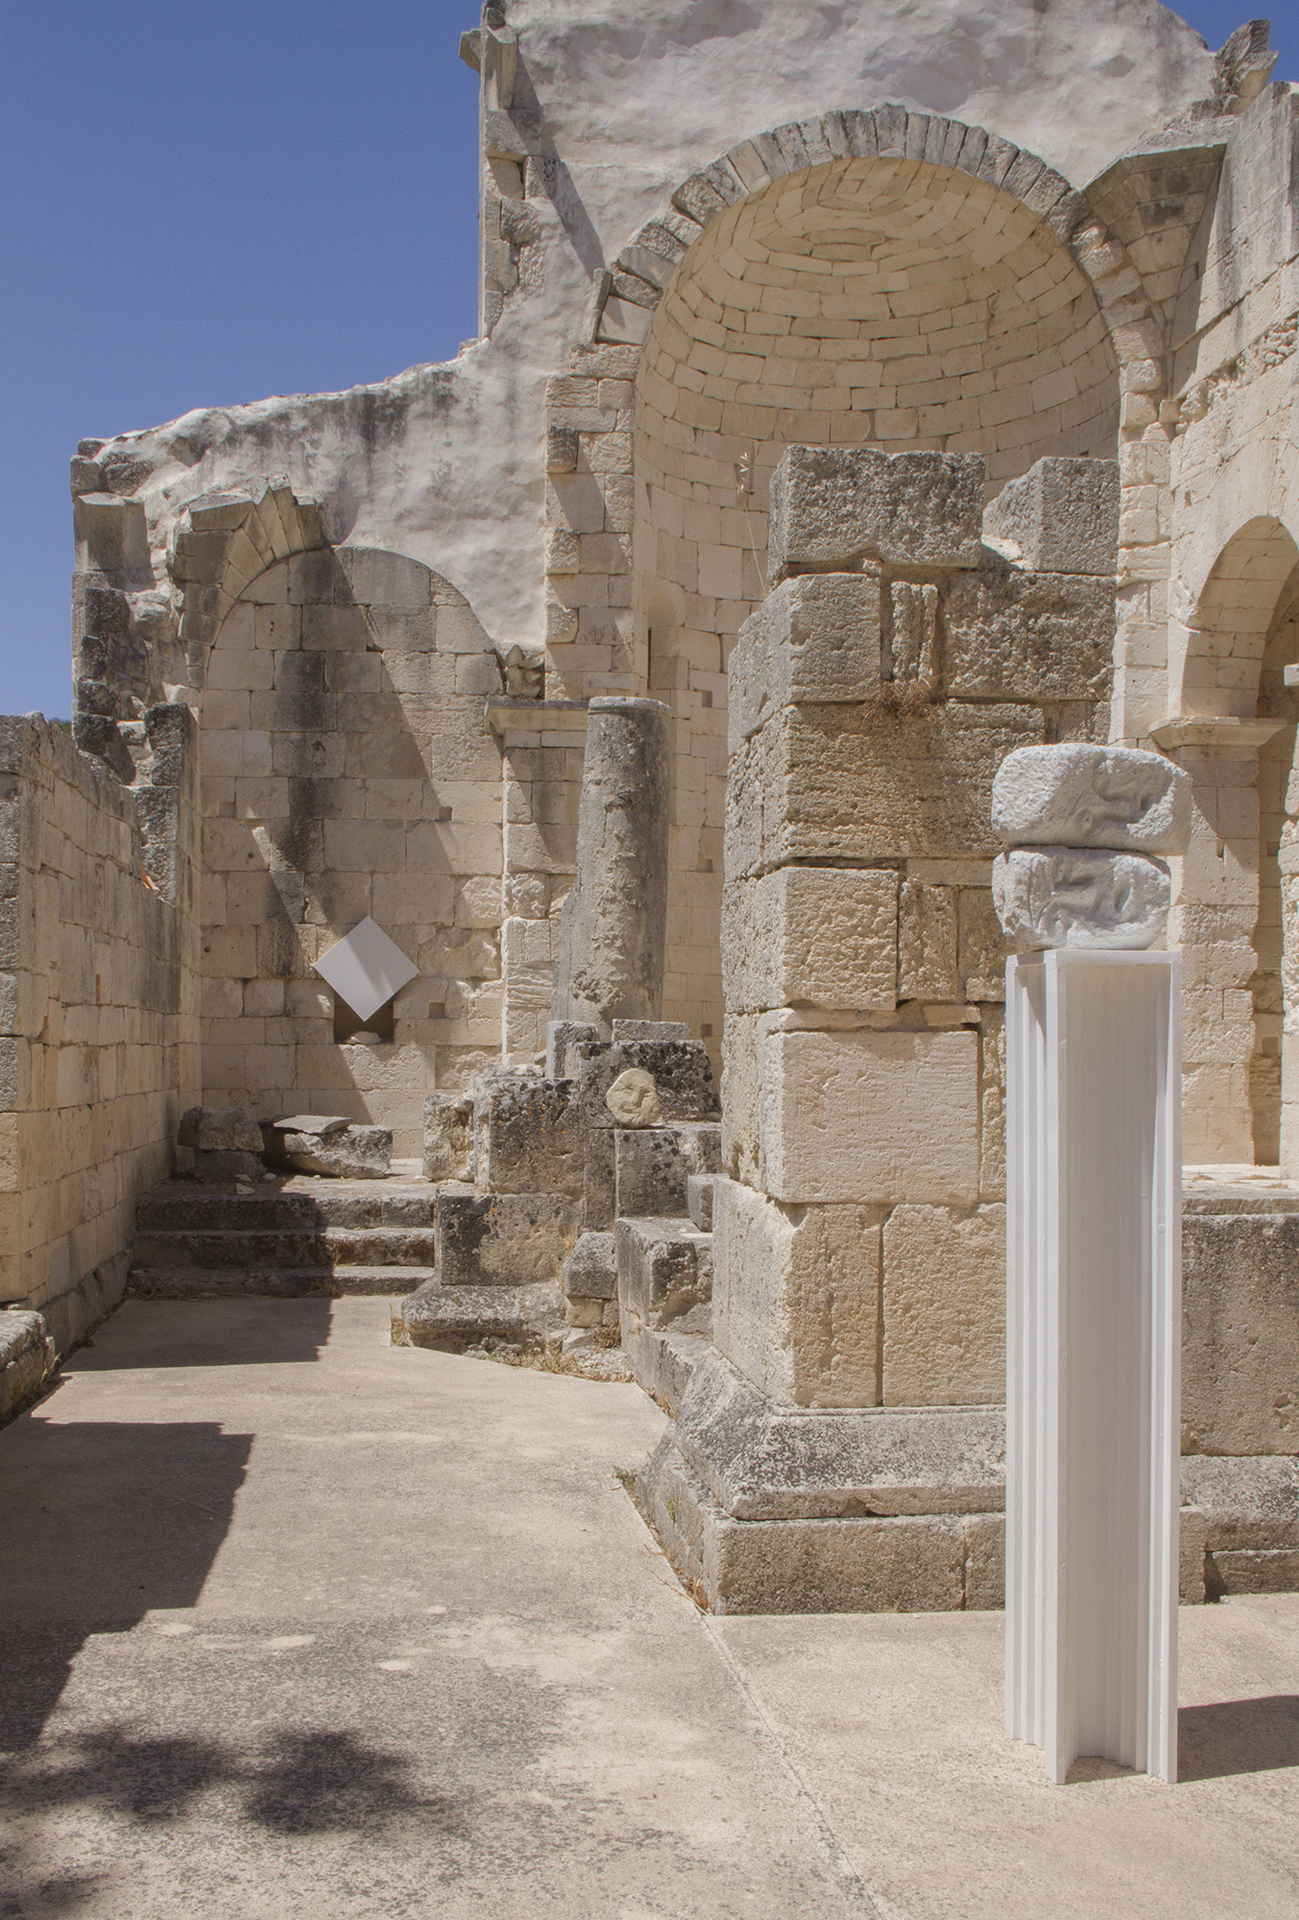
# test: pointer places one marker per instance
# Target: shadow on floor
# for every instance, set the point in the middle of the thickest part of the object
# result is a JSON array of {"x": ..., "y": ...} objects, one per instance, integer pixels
[
  {"x": 101, "y": 1523},
  {"x": 1238, "y": 1736},
  {"x": 297, "y": 1782},
  {"x": 249, "y": 1332}
]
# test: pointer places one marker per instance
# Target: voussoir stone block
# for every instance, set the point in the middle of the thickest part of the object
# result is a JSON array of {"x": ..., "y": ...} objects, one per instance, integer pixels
[
  {"x": 811, "y": 936},
  {"x": 796, "y": 1297},
  {"x": 1063, "y": 515},
  {"x": 1028, "y": 636},
  {"x": 873, "y": 1117},
  {"x": 834, "y": 507},
  {"x": 838, "y": 784},
  {"x": 815, "y": 638},
  {"x": 944, "y": 1295},
  {"x": 1080, "y": 897},
  {"x": 1077, "y": 795}
]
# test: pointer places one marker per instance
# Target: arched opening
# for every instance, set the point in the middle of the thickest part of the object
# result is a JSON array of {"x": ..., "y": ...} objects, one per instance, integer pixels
[
  {"x": 885, "y": 302},
  {"x": 1235, "y": 905}
]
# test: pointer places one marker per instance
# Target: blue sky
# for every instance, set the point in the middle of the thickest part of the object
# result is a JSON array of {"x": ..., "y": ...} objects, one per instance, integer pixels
[{"x": 207, "y": 205}]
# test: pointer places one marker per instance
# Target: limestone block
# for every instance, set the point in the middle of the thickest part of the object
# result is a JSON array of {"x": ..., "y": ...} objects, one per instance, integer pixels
[
  {"x": 1027, "y": 636},
  {"x": 838, "y": 784},
  {"x": 796, "y": 1297},
  {"x": 927, "y": 942},
  {"x": 591, "y": 1269},
  {"x": 681, "y": 1071},
  {"x": 837, "y": 506},
  {"x": 1079, "y": 897},
  {"x": 598, "y": 1191},
  {"x": 1063, "y": 515},
  {"x": 613, "y": 921},
  {"x": 448, "y": 1319},
  {"x": 981, "y": 947},
  {"x": 699, "y": 1200},
  {"x": 665, "y": 1274},
  {"x": 357, "y": 1153},
  {"x": 1078, "y": 795},
  {"x": 761, "y": 1460},
  {"x": 448, "y": 1127},
  {"x": 992, "y": 1104},
  {"x": 815, "y": 638},
  {"x": 220, "y": 1130},
  {"x": 503, "y": 1239},
  {"x": 811, "y": 936},
  {"x": 1240, "y": 1333},
  {"x": 872, "y": 1117},
  {"x": 907, "y": 1565},
  {"x": 561, "y": 1035},
  {"x": 220, "y": 1164},
  {"x": 944, "y": 1307},
  {"x": 530, "y": 1136},
  {"x": 648, "y": 1030},
  {"x": 653, "y": 1164}
]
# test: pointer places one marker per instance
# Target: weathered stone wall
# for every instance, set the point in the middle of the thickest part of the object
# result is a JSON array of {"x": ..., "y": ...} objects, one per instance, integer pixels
[
  {"x": 349, "y": 768},
  {"x": 861, "y": 1237},
  {"x": 99, "y": 950}
]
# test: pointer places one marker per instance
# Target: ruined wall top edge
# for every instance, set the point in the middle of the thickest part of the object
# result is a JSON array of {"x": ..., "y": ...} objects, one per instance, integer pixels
[{"x": 640, "y": 82}]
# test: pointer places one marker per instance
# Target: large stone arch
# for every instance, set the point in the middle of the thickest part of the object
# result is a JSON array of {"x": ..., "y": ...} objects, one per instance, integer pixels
[{"x": 666, "y": 402}]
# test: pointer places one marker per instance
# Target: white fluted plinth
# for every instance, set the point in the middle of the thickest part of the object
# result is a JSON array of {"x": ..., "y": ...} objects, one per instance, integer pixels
[{"x": 1093, "y": 1127}]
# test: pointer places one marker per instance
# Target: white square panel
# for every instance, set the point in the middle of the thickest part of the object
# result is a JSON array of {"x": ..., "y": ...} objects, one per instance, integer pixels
[{"x": 366, "y": 968}]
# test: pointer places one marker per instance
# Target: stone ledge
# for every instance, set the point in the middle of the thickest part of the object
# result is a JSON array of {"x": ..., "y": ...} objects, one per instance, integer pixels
[{"x": 760, "y": 1461}]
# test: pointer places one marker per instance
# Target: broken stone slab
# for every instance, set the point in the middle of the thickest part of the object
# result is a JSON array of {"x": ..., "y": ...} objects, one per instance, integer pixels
[
  {"x": 591, "y": 1269},
  {"x": 1074, "y": 795},
  {"x": 448, "y": 1135},
  {"x": 833, "y": 508},
  {"x": 1080, "y": 897},
  {"x": 699, "y": 1200},
  {"x": 653, "y": 1165},
  {"x": 220, "y": 1130},
  {"x": 448, "y": 1319},
  {"x": 1062, "y": 515},
  {"x": 680, "y": 1069},
  {"x": 503, "y": 1239},
  {"x": 27, "y": 1357},
  {"x": 561, "y": 1037},
  {"x": 665, "y": 1274},
  {"x": 316, "y": 1126},
  {"x": 612, "y": 926},
  {"x": 350, "y": 1153}
]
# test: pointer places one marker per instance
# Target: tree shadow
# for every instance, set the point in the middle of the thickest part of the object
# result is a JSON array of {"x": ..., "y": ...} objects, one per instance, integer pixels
[
  {"x": 300, "y": 1781},
  {"x": 104, "y": 1522},
  {"x": 1238, "y": 1736}
]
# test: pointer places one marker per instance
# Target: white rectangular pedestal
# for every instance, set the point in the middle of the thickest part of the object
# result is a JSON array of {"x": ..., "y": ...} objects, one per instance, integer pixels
[{"x": 1093, "y": 1147}]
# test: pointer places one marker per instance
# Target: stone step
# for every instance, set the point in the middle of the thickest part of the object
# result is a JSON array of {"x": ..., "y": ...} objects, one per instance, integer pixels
[
  {"x": 323, "y": 1247},
  {"x": 286, "y": 1283},
  {"x": 183, "y": 1206}
]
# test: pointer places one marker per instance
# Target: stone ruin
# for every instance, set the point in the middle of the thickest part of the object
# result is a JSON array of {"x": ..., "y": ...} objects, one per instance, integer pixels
[{"x": 640, "y": 677}]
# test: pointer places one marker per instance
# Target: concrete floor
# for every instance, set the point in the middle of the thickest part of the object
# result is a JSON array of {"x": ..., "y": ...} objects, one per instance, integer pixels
[{"x": 298, "y": 1623}]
